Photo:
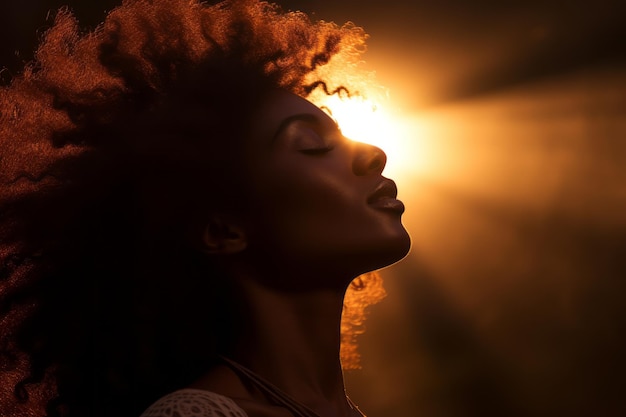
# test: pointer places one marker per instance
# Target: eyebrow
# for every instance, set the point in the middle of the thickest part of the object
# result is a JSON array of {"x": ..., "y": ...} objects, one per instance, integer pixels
[{"x": 306, "y": 117}]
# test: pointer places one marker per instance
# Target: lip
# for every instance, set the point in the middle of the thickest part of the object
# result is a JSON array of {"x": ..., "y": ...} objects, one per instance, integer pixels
[
  {"x": 384, "y": 197},
  {"x": 388, "y": 203}
]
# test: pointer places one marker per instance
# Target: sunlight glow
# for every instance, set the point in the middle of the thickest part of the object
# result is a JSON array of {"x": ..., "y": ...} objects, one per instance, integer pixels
[{"x": 366, "y": 121}]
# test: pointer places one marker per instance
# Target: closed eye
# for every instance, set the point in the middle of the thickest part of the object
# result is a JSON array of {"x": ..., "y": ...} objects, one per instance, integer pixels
[{"x": 317, "y": 151}]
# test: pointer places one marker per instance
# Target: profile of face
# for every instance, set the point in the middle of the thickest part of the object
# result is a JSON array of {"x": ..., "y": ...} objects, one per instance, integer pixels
[{"x": 317, "y": 199}]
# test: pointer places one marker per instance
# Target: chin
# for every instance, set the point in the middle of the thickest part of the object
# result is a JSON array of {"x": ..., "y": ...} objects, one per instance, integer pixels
[
  {"x": 387, "y": 252},
  {"x": 399, "y": 250},
  {"x": 404, "y": 247}
]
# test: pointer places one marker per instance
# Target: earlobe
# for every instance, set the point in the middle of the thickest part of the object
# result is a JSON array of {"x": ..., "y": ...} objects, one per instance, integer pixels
[{"x": 222, "y": 237}]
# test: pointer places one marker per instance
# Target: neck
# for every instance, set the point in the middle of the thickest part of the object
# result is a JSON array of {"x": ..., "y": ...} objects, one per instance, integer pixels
[{"x": 293, "y": 339}]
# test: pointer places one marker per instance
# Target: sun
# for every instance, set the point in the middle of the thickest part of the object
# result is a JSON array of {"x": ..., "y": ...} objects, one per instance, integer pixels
[{"x": 368, "y": 121}]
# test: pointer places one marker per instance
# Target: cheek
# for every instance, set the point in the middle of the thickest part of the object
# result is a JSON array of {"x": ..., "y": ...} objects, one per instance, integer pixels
[
  {"x": 317, "y": 215},
  {"x": 309, "y": 202},
  {"x": 297, "y": 203}
]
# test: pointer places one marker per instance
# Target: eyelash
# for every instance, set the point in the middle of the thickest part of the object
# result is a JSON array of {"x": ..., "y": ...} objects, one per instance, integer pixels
[{"x": 317, "y": 151}]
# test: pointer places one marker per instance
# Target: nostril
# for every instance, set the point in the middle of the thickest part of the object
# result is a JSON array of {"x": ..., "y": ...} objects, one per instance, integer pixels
[
  {"x": 369, "y": 159},
  {"x": 379, "y": 159},
  {"x": 375, "y": 164}
]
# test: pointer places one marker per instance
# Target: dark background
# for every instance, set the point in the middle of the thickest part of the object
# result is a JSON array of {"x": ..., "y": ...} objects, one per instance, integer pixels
[{"x": 513, "y": 299}]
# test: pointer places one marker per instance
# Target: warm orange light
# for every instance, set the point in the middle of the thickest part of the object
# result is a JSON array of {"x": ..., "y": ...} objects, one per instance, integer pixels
[
  {"x": 361, "y": 119},
  {"x": 367, "y": 121}
]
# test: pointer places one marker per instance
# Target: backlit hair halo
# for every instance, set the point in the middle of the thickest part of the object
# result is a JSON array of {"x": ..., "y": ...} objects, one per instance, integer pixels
[{"x": 92, "y": 113}]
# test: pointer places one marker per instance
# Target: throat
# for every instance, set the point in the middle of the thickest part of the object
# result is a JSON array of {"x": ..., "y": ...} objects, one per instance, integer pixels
[{"x": 293, "y": 341}]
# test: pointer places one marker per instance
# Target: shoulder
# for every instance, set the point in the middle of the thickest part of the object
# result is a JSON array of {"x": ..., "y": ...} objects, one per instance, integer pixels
[{"x": 191, "y": 402}]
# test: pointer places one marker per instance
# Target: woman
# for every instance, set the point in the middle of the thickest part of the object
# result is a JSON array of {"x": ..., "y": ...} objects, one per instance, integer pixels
[{"x": 179, "y": 225}]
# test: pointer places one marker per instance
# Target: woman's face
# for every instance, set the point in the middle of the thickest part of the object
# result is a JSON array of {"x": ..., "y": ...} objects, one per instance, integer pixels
[{"x": 319, "y": 199}]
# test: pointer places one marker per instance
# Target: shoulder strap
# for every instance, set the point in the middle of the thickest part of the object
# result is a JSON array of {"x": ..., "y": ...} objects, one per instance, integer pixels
[{"x": 275, "y": 394}]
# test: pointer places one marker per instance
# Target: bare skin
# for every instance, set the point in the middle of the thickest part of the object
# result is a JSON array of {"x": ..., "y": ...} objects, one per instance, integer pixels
[
  {"x": 323, "y": 214},
  {"x": 288, "y": 342}
]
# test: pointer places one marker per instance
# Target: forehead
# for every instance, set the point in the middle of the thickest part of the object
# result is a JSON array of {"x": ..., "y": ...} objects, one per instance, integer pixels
[{"x": 278, "y": 106}]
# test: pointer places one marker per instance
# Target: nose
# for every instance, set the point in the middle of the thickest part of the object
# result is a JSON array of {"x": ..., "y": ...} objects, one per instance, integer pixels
[{"x": 368, "y": 159}]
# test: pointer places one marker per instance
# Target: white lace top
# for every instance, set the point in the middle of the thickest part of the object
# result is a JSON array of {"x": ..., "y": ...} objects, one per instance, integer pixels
[{"x": 190, "y": 402}]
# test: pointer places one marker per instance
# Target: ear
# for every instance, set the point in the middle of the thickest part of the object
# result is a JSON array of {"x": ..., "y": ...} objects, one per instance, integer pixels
[{"x": 223, "y": 237}]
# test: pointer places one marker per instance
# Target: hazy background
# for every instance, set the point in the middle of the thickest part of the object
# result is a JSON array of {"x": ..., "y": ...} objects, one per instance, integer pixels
[{"x": 513, "y": 299}]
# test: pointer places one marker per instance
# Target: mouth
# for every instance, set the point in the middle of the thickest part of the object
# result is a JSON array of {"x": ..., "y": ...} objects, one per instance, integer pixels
[{"x": 384, "y": 197}]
